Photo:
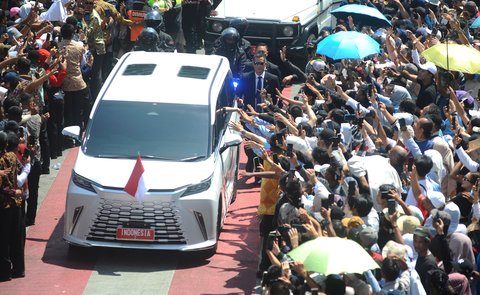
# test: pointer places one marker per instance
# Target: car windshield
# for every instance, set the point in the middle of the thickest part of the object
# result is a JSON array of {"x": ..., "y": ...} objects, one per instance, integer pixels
[{"x": 176, "y": 132}]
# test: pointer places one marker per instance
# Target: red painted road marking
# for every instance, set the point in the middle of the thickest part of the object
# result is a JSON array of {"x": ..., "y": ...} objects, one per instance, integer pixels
[{"x": 49, "y": 268}]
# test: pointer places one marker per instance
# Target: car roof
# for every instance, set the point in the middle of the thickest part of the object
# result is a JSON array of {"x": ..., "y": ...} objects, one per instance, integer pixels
[{"x": 176, "y": 78}]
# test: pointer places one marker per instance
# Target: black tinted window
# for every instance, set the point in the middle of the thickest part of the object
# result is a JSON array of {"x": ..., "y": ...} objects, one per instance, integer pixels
[{"x": 170, "y": 131}]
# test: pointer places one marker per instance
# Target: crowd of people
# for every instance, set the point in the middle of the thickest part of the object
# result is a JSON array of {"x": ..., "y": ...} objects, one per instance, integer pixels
[
  {"x": 55, "y": 55},
  {"x": 382, "y": 151}
]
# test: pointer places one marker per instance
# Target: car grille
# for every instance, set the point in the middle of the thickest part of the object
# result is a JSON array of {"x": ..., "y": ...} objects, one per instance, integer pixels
[
  {"x": 158, "y": 215},
  {"x": 260, "y": 30}
]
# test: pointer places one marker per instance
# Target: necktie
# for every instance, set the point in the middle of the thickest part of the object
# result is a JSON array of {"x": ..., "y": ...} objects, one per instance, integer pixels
[{"x": 257, "y": 93}]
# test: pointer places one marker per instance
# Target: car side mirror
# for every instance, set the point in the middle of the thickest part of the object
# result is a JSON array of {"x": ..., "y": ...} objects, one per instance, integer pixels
[
  {"x": 72, "y": 132},
  {"x": 231, "y": 140}
]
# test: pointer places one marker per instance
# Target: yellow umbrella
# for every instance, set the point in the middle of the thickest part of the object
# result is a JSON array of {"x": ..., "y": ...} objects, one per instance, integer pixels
[{"x": 461, "y": 58}]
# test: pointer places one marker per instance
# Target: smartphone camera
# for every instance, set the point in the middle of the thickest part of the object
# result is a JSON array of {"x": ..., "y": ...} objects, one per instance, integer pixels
[
  {"x": 403, "y": 124},
  {"x": 392, "y": 206},
  {"x": 289, "y": 150}
]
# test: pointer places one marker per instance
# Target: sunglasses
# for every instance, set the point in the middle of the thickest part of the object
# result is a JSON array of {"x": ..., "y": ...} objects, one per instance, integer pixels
[
  {"x": 469, "y": 180},
  {"x": 259, "y": 63}
]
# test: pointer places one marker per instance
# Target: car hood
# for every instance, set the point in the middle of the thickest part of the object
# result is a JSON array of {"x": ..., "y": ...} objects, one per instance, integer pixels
[
  {"x": 276, "y": 10},
  {"x": 164, "y": 175}
]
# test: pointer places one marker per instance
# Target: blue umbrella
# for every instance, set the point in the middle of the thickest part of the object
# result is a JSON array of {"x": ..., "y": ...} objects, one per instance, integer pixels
[
  {"x": 349, "y": 44},
  {"x": 476, "y": 23},
  {"x": 363, "y": 15}
]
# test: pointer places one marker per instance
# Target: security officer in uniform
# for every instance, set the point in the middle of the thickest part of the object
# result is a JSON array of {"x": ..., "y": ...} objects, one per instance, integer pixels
[
  {"x": 230, "y": 48},
  {"x": 193, "y": 23},
  {"x": 154, "y": 20},
  {"x": 241, "y": 24},
  {"x": 148, "y": 40}
]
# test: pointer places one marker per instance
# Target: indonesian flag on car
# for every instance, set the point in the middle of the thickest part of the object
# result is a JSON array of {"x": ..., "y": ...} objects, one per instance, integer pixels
[{"x": 136, "y": 184}]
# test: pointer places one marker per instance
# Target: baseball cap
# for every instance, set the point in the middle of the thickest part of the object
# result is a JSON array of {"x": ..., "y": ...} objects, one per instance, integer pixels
[
  {"x": 422, "y": 232},
  {"x": 10, "y": 77},
  {"x": 351, "y": 222},
  {"x": 394, "y": 248},
  {"x": 428, "y": 66},
  {"x": 318, "y": 65},
  {"x": 14, "y": 11},
  {"x": 436, "y": 198},
  {"x": 368, "y": 237},
  {"x": 423, "y": 33},
  {"x": 407, "y": 224}
]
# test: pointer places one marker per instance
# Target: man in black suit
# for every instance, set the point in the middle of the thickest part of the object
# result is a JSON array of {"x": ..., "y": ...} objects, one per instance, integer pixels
[
  {"x": 252, "y": 83},
  {"x": 271, "y": 67}
]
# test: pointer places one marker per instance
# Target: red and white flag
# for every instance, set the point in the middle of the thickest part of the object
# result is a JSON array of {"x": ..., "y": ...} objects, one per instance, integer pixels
[{"x": 136, "y": 184}]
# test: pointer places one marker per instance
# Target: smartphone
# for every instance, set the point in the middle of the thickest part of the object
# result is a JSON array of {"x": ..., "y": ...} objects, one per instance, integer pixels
[
  {"x": 264, "y": 278},
  {"x": 454, "y": 122},
  {"x": 330, "y": 125},
  {"x": 26, "y": 153},
  {"x": 279, "y": 139},
  {"x": 403, "y": 124},
  {"x": 314, "y": 291},
  {"x": 272, "y": 237},
  {"x": 299, "y": 227},
  {"x": 351, "y": 188},
  {"x": 107, "y": 12},
  {"x": 289, "y": 149},
  {"x": 335, "y": 142},
  {"x": 392, "y": 206},
  {"x": 275, "y": 158},
  {"x": 409, "y": 164},
  {"x": 86, "y": 17},
  {"x": 256, "y": 163}
]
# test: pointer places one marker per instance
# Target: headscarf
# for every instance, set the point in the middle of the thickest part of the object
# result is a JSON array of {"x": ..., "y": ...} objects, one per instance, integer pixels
[
  {"x": 459, "y": 283},
  {"x": 461, "y": 248}
]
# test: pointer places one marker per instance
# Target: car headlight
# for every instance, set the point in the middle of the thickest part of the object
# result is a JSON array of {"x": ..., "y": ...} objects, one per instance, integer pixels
[
  {"x": 198, "y": 188},
  {"x": 217, "y": 27},
  {"x": 82, "y": 182},
  {"x": 288, "y": 31}
]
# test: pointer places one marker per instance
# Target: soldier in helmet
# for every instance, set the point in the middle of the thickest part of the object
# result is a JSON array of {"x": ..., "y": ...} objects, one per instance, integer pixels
[
  {"x": 229, "y": 47},
  {"x": 241, "y": 24},
  {"x": 148, "y": 40},
  {"x": 154, "y": 20}
]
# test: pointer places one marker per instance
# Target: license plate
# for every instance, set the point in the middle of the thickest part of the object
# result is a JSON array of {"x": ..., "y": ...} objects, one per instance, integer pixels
[{"x": 136, "y": 234}]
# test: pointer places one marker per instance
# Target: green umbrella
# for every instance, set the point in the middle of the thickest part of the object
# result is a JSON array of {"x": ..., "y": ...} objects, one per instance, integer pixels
[
  {"x": 333, "y": 256},
  {"x": 454, "y": 57}
]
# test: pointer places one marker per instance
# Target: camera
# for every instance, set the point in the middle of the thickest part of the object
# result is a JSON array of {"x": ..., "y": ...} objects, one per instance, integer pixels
[
  {"x": 272, "y": 237},
  {"x": 335, "y": 142},
  {"x": 328, "y": 202},
  {"x": 385, "y": 195}
]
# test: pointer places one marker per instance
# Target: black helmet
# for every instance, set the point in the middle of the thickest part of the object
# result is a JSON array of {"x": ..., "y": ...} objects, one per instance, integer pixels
[
  {"x": 230, "y": 36},
  {"x": 153, "y": 19},
  {"x": 147, "y": 40},
  {"x": 239, "y": 23}
]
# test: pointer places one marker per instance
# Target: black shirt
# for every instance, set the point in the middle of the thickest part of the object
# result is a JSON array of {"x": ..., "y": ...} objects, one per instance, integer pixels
[{"x": 426, "y": 95}]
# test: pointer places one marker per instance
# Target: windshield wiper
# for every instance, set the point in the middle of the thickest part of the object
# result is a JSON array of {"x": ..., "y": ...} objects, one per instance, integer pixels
[
  {"x": 191, "y": 159},
  {"x": 111, "y": 156},
  {"x": 157, "y": 158}
]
